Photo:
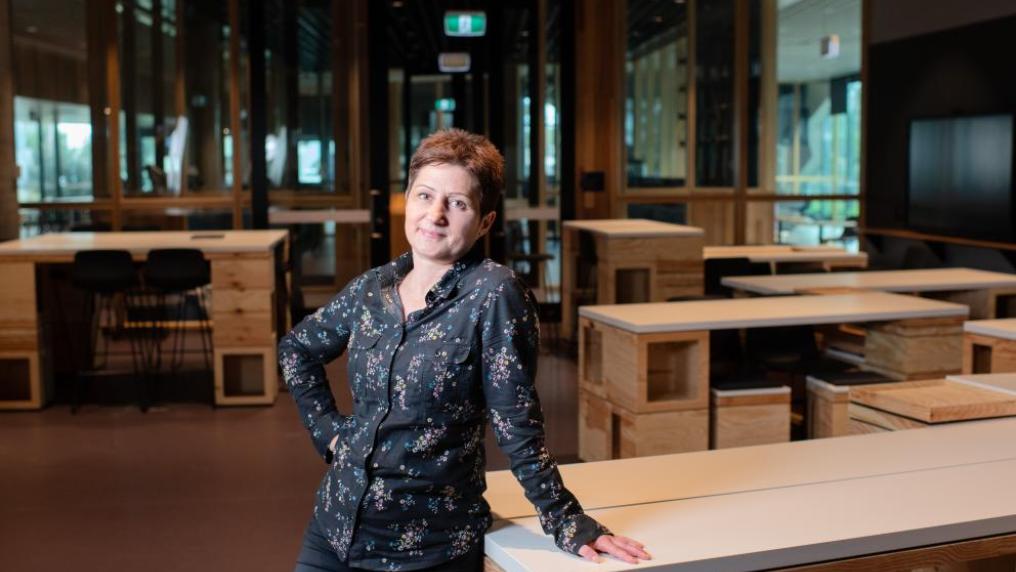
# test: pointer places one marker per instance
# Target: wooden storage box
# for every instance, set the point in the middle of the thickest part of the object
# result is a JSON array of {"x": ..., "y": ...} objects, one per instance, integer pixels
[
  {"x": 745, "y": 417},
  {"x": 644, "y": 373},
  {"x": 987, "y": 354},
  {"x": 607, "y": 431},
  {"x": 915, "y": 349},
  {"x": 246, "y": 376}
]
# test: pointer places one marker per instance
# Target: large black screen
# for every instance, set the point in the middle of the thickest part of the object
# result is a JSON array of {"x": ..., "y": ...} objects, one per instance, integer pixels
[{"x": 961, "y": 176}]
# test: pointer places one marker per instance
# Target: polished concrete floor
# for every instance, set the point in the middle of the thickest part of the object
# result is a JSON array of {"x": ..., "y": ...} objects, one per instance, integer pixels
[{"x": 184, "y": 486}]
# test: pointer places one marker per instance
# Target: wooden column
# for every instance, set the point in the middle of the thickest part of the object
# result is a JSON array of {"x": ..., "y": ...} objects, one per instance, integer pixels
[
  {"x": 599, "y": 136},
  {"x": 350, "y": 112},
  {"x": 8, "y": 177},
  {"x": 741, "y": 117}
]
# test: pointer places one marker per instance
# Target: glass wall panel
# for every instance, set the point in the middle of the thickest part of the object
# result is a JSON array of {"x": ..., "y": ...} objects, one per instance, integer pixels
[
  {"x": 552, "y": 106},
  {"x": 147, "y": 32},
  {"x": 676, "y": 213},
  {"x": 209, "y": 145},
  {"x": 315, "y": 140},
  {"x": 515, "y": 117},
  {"x": 656, "y": 93},
  {"x": 714, "y": 93},
  {"x": 53, "y": 149},
  {"x": 810, "y": 222},
  {"x": 52, "y": 118},
  {"x": 818, "y": 144},
  {"x": 40, "y": 221}
]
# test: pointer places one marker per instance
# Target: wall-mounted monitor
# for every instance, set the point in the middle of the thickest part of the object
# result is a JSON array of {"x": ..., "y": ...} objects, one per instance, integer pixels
[{"x": 960, "y": 179}]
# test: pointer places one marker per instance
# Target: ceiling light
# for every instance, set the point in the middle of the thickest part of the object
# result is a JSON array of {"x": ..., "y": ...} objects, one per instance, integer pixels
[{"x": 453, "y": 62}]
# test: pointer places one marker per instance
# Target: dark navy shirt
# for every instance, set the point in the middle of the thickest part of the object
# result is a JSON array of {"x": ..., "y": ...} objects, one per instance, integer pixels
[{"x": 404, "y": 487}]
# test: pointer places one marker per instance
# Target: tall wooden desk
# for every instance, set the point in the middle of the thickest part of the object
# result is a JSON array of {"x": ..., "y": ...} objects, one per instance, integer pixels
[
  {"x": 243, "y": 307},
  {"x": 989, "y": 346},
  {"x": 861, "y": 501},
  {"x": 984, "y": 292},
  {"x": 646, "y": 366},
  {"x": 636, "y": 260},
  {"x": 828, "y": 257}
]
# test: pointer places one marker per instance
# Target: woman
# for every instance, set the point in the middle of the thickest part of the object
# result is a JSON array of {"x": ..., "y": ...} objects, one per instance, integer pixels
[{"x": 439, "y": 340}]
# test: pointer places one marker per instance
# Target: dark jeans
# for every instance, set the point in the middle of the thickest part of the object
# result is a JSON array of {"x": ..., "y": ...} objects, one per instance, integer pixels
[{"x": 317, "y": 556}]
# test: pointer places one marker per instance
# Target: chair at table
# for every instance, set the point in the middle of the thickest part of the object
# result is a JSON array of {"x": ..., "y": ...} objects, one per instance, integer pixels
[
  {"x": 184, "y": 273},
  {"x": 110, "y": 279}
]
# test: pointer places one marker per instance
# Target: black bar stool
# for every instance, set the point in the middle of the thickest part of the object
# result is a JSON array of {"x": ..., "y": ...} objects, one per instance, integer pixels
[
  {"x": 110, "y": 277},
  {"x": 183, "y": 272}
]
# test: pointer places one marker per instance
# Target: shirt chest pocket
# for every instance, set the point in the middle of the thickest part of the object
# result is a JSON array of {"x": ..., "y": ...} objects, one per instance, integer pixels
[
  {"x": 365, "y": 363},
  {"x": 446, "y": 381}
]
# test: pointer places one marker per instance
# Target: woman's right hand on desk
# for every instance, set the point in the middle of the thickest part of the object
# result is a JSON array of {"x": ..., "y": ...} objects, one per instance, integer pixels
[{"x": 620, "y": 547}]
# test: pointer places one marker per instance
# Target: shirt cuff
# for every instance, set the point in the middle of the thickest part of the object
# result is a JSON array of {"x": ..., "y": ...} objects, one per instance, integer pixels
[{"x": 577, "y": 531}]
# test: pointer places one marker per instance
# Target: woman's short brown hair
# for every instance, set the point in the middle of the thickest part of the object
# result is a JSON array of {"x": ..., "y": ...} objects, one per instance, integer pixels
[{"x": 474, "y": 153}]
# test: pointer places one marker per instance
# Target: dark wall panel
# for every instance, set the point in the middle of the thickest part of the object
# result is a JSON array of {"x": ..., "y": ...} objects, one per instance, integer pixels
[{"x": 964, "y": 71}]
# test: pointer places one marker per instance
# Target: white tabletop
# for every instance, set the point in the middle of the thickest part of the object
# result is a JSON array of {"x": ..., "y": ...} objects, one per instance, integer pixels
[
  {"x": 784, "y": 253},
  {"x": 785, "y": 504},
  {"x": 928, "y": 280},
  {"x": 1005, "y": 382},
  {"x": 1005, "y": 329},
  {"x": 633, "y": 228},
  {"x": 710, "y": 473},
  {"x": 762, "y": 312},
  {"x": 789, "y": 526},
  {"x": 139, "y": 243}
]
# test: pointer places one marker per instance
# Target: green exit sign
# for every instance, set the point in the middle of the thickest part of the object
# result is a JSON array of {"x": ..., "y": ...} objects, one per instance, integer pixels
[{"x": 468, "y": 24}]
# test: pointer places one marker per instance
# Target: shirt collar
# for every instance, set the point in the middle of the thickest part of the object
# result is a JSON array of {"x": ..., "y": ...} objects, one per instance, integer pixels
[{"x": 392, "y": 273}]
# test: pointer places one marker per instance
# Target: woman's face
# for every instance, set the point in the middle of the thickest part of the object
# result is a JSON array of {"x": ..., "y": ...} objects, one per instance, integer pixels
[{"x": 443, "y": 213}]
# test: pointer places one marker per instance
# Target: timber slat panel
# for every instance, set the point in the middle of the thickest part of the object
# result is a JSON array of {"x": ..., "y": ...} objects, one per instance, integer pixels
[
  {"x": 935, "y": 401},
  {"x": 241, "y": 274}
]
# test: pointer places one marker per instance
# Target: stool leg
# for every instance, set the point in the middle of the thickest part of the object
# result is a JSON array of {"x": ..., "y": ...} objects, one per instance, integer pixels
[
  {"x": 179, "y": 341},
  {"x": 135, "y": 336}
]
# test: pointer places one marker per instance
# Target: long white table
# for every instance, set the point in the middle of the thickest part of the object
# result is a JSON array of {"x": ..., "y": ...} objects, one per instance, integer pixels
[
  {"x": 980, "y": 289},
  {"x": 773, "y": 254},
  {"x": 764, "y": 312},
  {"x": 781, "y": 505}
]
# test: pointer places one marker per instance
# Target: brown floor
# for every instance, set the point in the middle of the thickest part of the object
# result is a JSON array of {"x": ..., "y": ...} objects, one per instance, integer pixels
[{"x": 184, "y": 486}]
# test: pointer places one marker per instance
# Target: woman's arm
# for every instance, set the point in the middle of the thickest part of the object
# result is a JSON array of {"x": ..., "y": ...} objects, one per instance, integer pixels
[
  {"x": 510, "y": 343},
  {"x": 303, "y": 352}
]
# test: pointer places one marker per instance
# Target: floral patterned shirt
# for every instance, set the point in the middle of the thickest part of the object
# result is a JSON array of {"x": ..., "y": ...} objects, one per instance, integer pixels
[{"x": 405, "y": 485}]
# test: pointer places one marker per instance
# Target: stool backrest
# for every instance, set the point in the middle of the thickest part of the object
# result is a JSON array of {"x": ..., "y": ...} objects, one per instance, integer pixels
[
  {"x": 176, "y": 269},
  {"x": 104, "y": 271}
]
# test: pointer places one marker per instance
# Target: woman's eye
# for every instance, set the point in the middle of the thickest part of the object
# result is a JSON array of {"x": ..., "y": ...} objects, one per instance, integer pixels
[
  {"x": 422, "y": 195},
  {"x": 459, "y": 204}
]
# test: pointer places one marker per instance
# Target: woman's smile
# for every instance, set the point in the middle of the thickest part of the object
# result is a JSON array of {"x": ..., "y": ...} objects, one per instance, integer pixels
[{"x": 430, "y": 234}]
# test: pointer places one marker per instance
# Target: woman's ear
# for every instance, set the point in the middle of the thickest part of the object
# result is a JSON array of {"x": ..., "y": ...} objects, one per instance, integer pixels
[{"x": 486, "y": 222}]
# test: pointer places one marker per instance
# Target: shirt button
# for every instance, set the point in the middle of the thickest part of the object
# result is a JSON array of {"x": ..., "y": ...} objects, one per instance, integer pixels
[{"x": 375, "y": 465}]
